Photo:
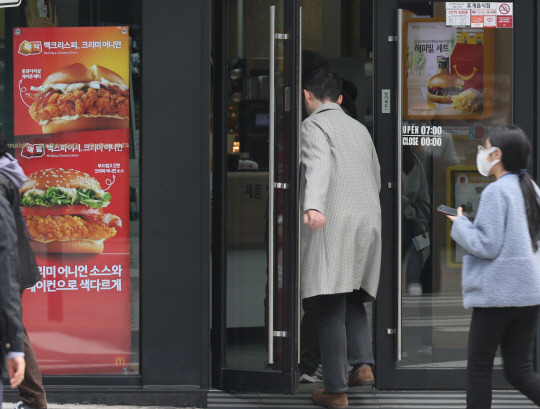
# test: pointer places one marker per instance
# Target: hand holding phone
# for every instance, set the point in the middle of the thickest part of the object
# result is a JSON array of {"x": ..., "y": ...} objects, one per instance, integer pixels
[{"x": 447, "y": 210}]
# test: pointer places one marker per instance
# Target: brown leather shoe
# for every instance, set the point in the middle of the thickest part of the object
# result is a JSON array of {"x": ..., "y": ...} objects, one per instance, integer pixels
[
  {"x": 330, "y": 400},
  {"x": 361, "y": 377}
]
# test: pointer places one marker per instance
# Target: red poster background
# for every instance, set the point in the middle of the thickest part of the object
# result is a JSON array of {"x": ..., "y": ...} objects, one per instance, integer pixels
[{"x": 78, "y": 316}]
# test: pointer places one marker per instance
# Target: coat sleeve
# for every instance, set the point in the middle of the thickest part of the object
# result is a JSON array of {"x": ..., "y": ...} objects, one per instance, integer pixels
[
  {"x": 376, "y": 166},
  {"x": 483, "y": 238},
  {"x": 317, "y": 161},
  {"x": 11, "y": 328}
]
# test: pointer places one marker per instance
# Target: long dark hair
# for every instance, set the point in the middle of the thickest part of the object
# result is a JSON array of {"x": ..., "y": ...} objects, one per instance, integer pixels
[{"x": 515, "y": 148}]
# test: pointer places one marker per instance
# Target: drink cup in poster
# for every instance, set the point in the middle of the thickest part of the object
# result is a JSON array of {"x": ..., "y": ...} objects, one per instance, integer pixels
[
  {"x": 78, "y": 315},
  {"x": 70, "y": 79}
]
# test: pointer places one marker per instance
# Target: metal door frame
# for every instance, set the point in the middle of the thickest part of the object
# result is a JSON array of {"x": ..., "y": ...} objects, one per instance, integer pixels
[
  {"x": 244, "y": 379},
  {"x": 387, "y": 374}
]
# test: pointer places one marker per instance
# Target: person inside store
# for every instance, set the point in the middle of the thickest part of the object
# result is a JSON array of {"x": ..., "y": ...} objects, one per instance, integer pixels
[
  {"x": 12, "y": 177},
  {"x": 416, "y": 209},
  {"x": 501, "y": 272},
  {"x": 11, "y": 328},
  {"x": 310, "y": 368},
  {"x": 341, "y": 233}
]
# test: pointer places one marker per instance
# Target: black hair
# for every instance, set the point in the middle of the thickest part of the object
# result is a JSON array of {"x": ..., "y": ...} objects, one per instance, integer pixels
[
  {"x": 324, "y": 84},
  {"x": 515, "y": 148},
  {"x": 3, "y": 144}
]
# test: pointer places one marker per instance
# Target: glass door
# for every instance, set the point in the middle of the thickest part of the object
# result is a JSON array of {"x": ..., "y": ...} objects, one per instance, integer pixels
[
  {"x": 254, "y": 329},
  {"x": 456, "y": 78}
]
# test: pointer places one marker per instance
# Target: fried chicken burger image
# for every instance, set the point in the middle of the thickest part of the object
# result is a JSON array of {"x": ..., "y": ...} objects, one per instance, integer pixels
[
  {"x": 78, "y": 98},
  {"x": 63, "y": 210}
]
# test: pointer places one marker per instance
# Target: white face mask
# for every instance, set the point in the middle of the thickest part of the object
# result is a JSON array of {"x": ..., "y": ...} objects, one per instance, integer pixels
[{"x": 482, "y": 163}]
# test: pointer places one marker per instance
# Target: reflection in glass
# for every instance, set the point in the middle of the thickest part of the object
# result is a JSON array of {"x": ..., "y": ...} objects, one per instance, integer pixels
[
  {"x": 440, "y": 168},
  {"x": 247, "y": 182}
]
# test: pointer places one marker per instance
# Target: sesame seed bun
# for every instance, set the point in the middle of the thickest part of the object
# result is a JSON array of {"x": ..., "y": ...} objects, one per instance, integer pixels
[{"x": 58, "y": 177}]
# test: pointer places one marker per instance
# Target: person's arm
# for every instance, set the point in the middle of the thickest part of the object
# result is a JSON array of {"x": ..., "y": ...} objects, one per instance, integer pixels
[
  {"x": 376, "y": 166},
  {"x": 317, "y": 162},
  {"x": 485, "y": 237},
  {"x": 11, "y": 328}
]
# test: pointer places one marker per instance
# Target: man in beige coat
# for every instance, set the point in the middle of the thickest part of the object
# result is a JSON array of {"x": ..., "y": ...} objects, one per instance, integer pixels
[{"x": 341, "y": 235}]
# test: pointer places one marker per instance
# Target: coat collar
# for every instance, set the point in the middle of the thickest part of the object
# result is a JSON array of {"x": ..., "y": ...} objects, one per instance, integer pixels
[{"x": 327, "y": 106}]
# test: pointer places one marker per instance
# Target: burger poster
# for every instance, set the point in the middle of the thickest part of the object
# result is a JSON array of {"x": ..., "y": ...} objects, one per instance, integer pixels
[
  {"x": 71, "y": 101},
  {"x": 448, "y": 71},
  {"x": 75, "y": 207},
  {"x": 70, "y": 79}
]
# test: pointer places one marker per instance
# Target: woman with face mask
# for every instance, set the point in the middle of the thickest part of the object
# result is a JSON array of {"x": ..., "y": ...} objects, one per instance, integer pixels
[{"x": 501, "y": 272}]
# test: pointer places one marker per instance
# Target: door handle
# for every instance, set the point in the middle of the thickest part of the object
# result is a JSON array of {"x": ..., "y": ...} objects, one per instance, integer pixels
[
  {"x": 271, "y": 205},
  {"x": 399, "y": 134},
  {"x": 298, "y": 146}
]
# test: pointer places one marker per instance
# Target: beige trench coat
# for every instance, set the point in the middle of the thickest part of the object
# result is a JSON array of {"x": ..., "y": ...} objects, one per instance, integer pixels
[{"x": 340, "y": 177}]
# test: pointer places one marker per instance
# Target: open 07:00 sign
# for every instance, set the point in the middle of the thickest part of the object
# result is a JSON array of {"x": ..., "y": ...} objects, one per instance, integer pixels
[{"x": 71, "y": 138}]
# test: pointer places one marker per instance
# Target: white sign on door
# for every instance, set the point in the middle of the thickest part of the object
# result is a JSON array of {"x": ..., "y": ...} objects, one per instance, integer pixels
[
  {"x": 385, "y": 101},
  {"x": 479, "y": 14},
  {"x": 9, "y": 3}
]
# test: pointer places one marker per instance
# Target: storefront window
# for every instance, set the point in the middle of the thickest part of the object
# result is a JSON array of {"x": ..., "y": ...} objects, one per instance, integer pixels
[
  {"x": 70, "y": 109},
  {"x": 457, "y": 83}
]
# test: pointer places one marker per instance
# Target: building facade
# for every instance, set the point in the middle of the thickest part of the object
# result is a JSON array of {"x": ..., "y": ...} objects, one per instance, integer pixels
[{"x": 215, "y": 112}]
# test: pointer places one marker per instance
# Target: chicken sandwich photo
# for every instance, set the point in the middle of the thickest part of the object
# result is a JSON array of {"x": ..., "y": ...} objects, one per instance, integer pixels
[
  {"x": 63, "y": 210},
  {"x": 78, "y": 98}
]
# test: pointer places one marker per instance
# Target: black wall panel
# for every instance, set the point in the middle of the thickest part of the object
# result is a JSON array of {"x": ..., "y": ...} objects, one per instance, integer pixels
[{"x": 175, "y": 192}]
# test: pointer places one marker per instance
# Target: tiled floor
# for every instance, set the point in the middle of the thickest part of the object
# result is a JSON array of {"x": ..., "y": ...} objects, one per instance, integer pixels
[{"x": 365, "y": 399}]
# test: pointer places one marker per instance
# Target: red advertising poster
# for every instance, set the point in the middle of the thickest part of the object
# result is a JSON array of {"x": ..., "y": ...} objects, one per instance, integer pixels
[{"x": 71, "y": 138}]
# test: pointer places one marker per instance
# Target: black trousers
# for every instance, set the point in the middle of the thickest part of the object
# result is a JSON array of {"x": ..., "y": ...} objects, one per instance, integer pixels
[
  {"x": 310, "y": 349},
  {"x": 343, "y": 337},
  {"x": 514, "y": 328}
]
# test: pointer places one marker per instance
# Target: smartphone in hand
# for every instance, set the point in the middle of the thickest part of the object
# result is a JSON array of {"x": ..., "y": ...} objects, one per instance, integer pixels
[{"x": 447, "y": 210}]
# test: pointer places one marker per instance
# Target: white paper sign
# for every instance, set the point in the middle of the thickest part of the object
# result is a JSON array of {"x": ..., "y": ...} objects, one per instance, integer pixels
[
  {"x": 385, "y": 101},
  {"x": 458, "y": 18},
  {"x": 479, "y": 14},
  {"x": 9, "y": 3}
]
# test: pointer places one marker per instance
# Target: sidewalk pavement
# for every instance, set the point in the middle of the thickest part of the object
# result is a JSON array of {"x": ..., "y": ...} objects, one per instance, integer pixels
[{"x": 6, "y": 405}]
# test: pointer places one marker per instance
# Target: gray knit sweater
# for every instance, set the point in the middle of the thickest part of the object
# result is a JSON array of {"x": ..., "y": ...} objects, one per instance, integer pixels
[{"x": 501, "y": 269}]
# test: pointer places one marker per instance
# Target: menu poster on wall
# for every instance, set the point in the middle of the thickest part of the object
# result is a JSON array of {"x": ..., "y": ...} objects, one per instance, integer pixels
[
  {"x": 71, "y": 138},
  {"x": 447, "y": 71}
]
